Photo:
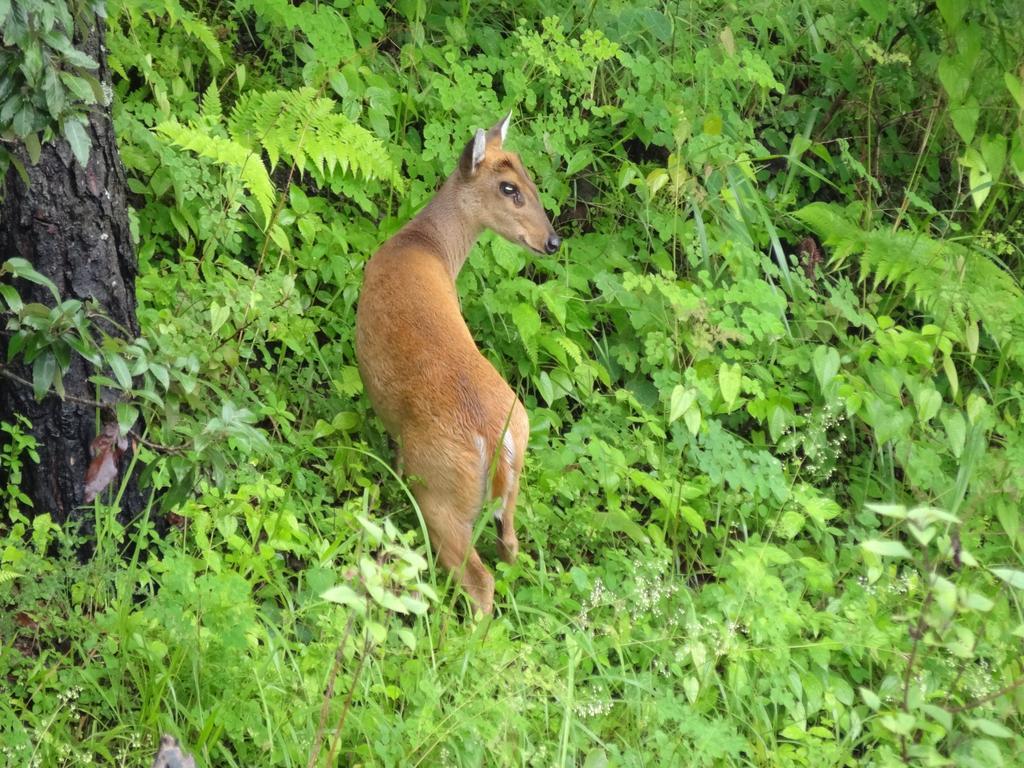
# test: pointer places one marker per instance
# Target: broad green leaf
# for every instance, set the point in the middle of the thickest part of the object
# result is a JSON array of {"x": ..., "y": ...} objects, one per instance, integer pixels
[
  {"x": 79, "y": 141},
  {"x": 680, "y": 402},
  {"x": 965, "y": 118},
  {"x": 954, "y": 79},
  {"x": 11, "y": 297},
  {"x": 993, "y": 152},
  {"x": 826, "y": 365},
  {"x": 407, "y": 637},
  {"x": 951, "y": 375},
  {"x": 121, "y": 373},
  {"x": 876, "y": 9},
  {"x": 928, "y": 402},
  {"x": 127, "y": 415},
  {"x": 729, "y": 379},
  {"x": 977, "y": 602},
  {"x": 1011, "y": 576},
  {"x": 952, "y": 12},
  {"x": 870, "y": 698},
  {"x": 218, "y": 316},
  {"x": 956, "y": 431},
  {"x": 897, "y": 511},
  {"x": 1016, "y": 89},
  {"x": 692, "y": 418},
  {"x": 885, "y": 548},
  {"x": 979, "y": 177},
  {"x": 990, "y": 727},
  {"x": 43, "y": 370},
  {"x": 944, "y": 592}
]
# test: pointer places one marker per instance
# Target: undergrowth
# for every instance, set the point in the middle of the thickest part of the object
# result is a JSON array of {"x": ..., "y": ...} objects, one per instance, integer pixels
[{"x": 771, "y": 508}]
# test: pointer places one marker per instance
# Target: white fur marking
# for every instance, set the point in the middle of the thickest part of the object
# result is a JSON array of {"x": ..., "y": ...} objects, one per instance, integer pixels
[
  {"x": 479, "y": 147},
  {"x": 481, "y": 449},
  {"x": 507, "y": 467},
  {"x": 503, "y": 126},
  {"x": 509, "y": 448}
]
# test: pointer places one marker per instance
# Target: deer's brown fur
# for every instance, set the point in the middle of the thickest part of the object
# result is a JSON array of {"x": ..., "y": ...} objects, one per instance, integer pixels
[{"x": 461, "y": 430}]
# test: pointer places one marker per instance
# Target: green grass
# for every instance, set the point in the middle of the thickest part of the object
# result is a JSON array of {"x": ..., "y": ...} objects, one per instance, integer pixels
[{"x": 706, "y": 578}]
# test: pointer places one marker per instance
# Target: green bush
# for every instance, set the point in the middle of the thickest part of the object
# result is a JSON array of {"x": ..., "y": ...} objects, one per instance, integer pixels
[{"x": 771, "y": 509}]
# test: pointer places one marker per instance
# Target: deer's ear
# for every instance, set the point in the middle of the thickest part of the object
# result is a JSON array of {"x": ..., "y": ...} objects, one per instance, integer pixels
[
  {"x": 500, "y": 130},
  {"x": 473, "y": 154}
]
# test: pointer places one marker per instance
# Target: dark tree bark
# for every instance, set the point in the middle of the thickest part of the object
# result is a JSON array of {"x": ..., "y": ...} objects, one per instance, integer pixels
[{"x": 71, "y": 223}]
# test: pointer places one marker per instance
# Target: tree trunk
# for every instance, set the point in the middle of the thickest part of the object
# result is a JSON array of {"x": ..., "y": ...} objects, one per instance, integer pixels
[{"x": 71, "y": 223}]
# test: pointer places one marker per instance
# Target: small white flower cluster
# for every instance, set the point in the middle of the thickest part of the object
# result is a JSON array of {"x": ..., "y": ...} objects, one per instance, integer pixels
[
  {"x": 820, "y": 442},
  {"x": 69, "y": 698},
  {"x": 129, "y": 750},
  {"x": 652, "y": 591},
  {"x": 593, "y": 707},
  {"x": 598, "y": 596}
]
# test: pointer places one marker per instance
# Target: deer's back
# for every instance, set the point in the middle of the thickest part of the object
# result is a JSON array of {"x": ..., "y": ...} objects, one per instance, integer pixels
[{"x": 420, "y": 365}]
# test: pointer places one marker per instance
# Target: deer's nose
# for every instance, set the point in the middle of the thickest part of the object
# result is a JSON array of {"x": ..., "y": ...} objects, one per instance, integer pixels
[{"x": 553, "y": 243}]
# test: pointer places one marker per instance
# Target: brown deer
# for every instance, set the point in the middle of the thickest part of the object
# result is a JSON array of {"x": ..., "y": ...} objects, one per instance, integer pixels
[{"x": 461, "y": 430}]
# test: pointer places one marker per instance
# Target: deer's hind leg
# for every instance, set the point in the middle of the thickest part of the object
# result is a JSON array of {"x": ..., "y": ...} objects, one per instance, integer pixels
[
  {"x": 505, "y": 483},
  {"x": 447, "y": 486}
]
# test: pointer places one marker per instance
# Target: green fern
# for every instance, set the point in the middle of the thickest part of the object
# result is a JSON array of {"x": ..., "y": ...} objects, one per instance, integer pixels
[
  {"x": 245, "y": 161},
  {"x": 303, "y": 128},
  {"x": 295, "y": 127},
  {"x": 948, "y": 280},
  {"x": 6, "y": 576}
]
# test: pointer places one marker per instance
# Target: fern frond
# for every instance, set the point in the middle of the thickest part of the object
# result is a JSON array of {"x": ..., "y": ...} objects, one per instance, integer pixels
[
  {"x": 303, "y": 128},
  {"x": 211, "y": 104},
  {"x": 950, "y": 281},
  {"x": 246, "y": 162},
  {"x": 6, "y": 576}
]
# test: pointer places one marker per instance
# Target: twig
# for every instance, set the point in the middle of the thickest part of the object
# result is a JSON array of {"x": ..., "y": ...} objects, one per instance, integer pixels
[
  {"x": 7, "y": 374},
  {"x": 990, "y": 697},
  {"x": 318, "y": 739}
]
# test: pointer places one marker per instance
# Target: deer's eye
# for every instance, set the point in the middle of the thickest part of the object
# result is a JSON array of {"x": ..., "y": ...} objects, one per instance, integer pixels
[{"x": 508, "y": 189}]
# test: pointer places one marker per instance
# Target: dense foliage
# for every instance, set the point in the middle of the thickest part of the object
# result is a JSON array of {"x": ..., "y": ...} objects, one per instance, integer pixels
[{"x": 771, "y": 512}]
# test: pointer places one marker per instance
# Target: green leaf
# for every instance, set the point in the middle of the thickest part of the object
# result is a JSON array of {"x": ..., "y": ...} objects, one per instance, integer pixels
[
  {"x": 956, "y": 431},
  {"x": 729, "y": 379},
  {"x": 928, "y": 402},
  {"x": 954, "y": 79},
  {"x": 993, "y": 151},
  {"x": 990, "y": 727},
  {"x": 121, "y": 373},
  {"x": 965, "y": 118},
  {"x": 876, "y": 9},
  {"x": 527, "y": 320},
  {"x": 127, "y": 415},
  {"x": 1016, "y": 89},
  {"x": 870, "y": 698},
  {"x": 951, "y": 374},
  {"x": 1011, "y": 576},
  {"x": 11, "y": 297},
  {"x": 76, "y": 136},
  {"x": 826, "y": 365},
  {"x": 680, "y": 402},
  {"x": 952, "y": 12},
  {"x": 43, "y": 370},
  {"x": 885, "y": 548},
  {"x": 20, "y": 267},
  {"x": 344, "y": 595},
  {"x": 218, "y": 316}
]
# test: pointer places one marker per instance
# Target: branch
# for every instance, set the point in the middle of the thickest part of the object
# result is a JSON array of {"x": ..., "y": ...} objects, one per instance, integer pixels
[
  {"x": 990, "y": 697},
  {"x": 158, "y": 447}
]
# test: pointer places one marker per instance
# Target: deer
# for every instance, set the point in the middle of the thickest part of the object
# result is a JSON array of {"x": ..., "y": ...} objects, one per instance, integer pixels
[{"x": 461, "y": 432}]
